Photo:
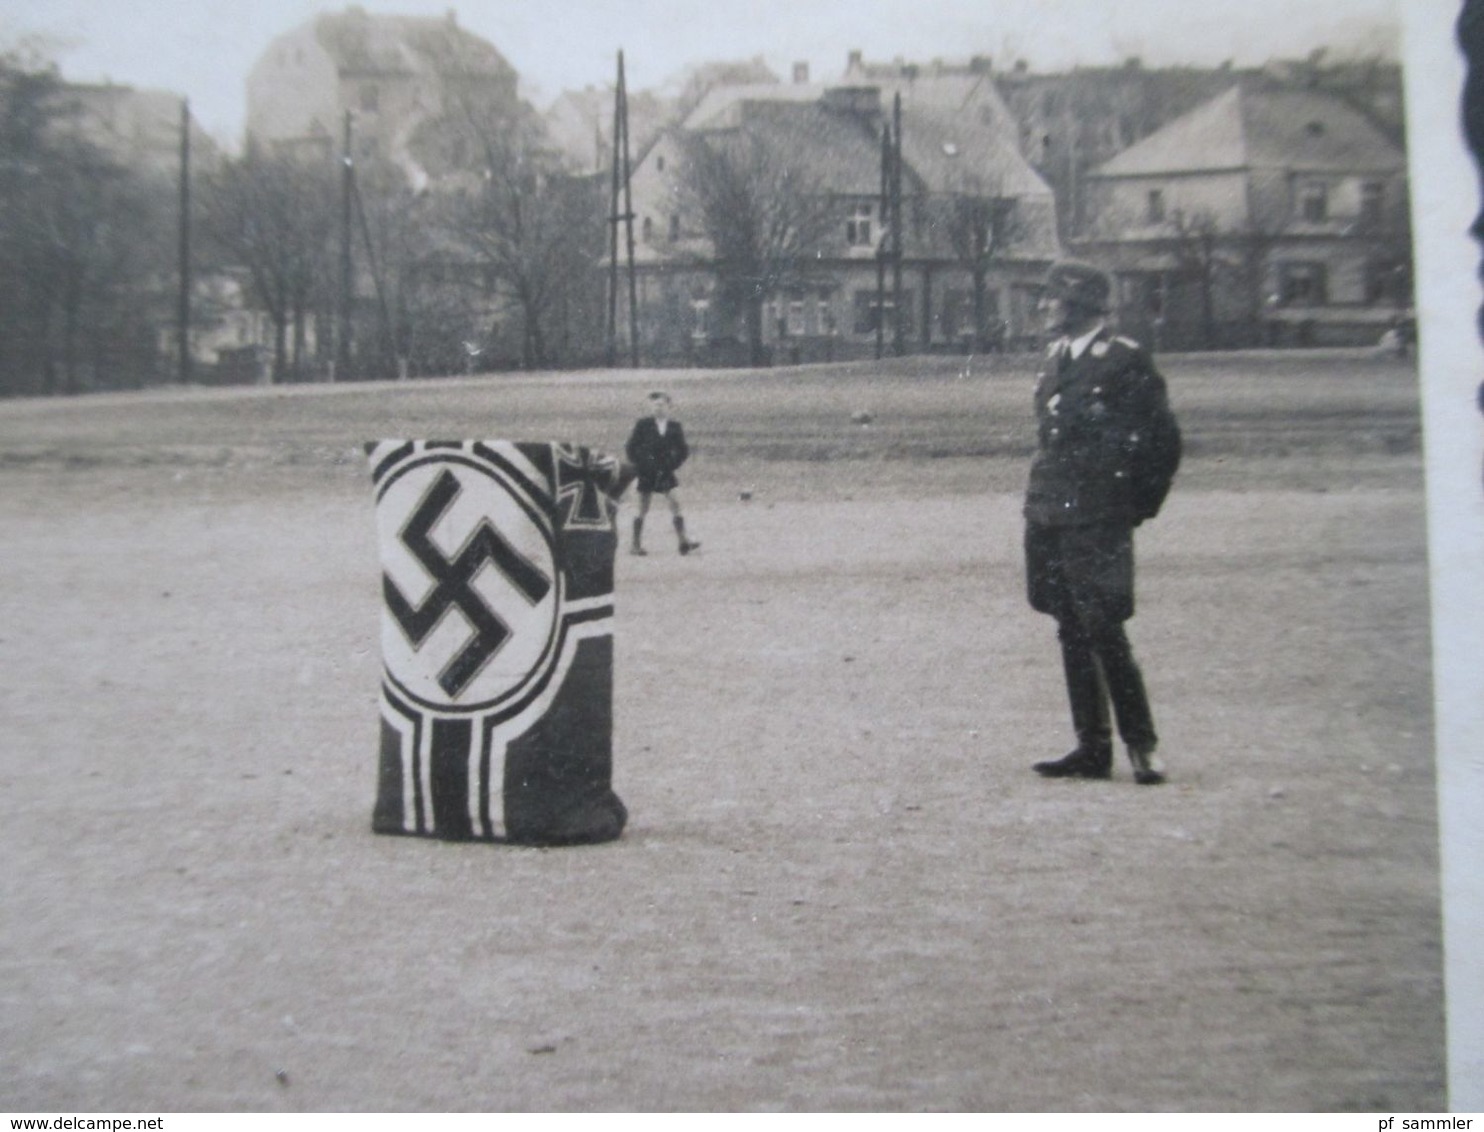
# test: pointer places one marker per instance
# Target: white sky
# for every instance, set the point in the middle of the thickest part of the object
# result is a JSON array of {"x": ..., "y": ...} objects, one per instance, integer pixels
[{"x": 203, "y": 49}]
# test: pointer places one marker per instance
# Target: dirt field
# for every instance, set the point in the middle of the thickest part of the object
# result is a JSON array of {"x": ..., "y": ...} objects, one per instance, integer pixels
[{"x": 842, "y": 887}]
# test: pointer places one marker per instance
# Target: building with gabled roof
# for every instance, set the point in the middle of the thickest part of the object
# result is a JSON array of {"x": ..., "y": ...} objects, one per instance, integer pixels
[
  {"x": 579, "y": 126},
  {"x": 721, "y": 106},
  {"x": 1262, "y": 215},
  {"x": 394, "y": 74},
  {"x": 139, "y": 127},
  {"x": 962, "y": 88},
  {"x": 1243, "y": 128},
  {"x": 832, "y": 136}
]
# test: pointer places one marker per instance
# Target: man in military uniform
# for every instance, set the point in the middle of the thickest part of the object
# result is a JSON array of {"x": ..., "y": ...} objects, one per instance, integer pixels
[{"x": 1107, "y": 450}]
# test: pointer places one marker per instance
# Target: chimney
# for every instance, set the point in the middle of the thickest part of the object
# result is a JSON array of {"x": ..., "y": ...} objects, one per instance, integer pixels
[
  {"x": 452, "y": 16},
  {"x": 853, "y": 62},
  {"x": 801, "y": 74}
]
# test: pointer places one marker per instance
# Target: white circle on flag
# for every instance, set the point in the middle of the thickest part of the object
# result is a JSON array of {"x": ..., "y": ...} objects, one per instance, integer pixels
[{"x": 480, "y": 589}]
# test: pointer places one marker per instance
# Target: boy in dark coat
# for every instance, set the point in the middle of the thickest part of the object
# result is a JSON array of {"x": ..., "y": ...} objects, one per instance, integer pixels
[
  {"x": 1107, "y": 450},
  {"x": 657, "y": 448}
]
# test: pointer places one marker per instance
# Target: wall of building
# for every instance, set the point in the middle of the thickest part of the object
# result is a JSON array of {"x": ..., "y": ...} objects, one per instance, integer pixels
[
  {"x": 684, "y": 321},
  {"x": 1121, "y": 205},
  {"x": 293, "y": 90}
]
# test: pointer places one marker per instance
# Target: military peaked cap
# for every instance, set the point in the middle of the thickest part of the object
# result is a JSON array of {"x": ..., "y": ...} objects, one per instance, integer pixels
[{"x": 1080, "y": 284}]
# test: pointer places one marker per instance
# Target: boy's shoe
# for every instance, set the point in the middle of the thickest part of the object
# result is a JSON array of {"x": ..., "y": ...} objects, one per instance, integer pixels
[{"x": 1147, "y": 769}]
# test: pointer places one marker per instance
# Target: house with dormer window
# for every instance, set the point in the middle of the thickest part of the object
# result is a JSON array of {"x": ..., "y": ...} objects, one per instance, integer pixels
[{"x": 1265, "y": 216}]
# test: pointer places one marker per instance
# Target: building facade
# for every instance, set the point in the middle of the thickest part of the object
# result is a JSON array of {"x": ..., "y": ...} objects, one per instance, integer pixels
[
  {"x": 397, "y": 76},
  {"x": 1262, "y": 217},
  {"x": 841, "y": 298}
]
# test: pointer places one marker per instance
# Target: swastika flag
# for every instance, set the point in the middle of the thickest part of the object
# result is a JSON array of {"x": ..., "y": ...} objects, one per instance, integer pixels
[{"x": 497, "y": 640}]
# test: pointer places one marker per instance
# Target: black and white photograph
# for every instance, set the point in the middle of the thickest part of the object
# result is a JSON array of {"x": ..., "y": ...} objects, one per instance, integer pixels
[{"x": 753, "y": 557}]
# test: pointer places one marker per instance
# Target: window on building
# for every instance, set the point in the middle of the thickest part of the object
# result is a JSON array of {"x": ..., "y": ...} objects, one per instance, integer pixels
[
  {"x": 824, "y": 314},
  {"x": 868, "y": 315},
  {"x": 957, "y": 315},
  {"x": 1386, "y": 282},
  {"x": 1314, "y": 201},
  {"x": 646, "y": 233},
  {"x": 1143, "y": 293},
  {"x": 674, "y": 226},
  {"x": 858, "y": 227},
  {"x": 1372, "y": 203},
  {"x": 796, "y": 317},
  {"x": 370, "y": 98},
  {"x": 700, "y": 318},
  {"x": 1302, "y": 285},
  {"x": 1155, "y": 210},
  {"x": 659, "y": 162}
]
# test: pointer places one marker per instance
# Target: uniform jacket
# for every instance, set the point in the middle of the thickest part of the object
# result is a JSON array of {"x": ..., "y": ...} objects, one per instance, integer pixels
[
  {"x": 1107, "y": 443},
  {"x": 656, "y": 457}
]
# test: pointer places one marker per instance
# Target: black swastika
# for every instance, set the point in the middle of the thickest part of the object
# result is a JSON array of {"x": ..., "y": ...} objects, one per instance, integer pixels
[{"x": 453, "y": 588}]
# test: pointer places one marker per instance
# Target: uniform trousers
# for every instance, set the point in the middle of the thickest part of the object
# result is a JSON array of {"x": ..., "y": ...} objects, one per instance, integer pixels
[{"x": 1083, "y": 576}]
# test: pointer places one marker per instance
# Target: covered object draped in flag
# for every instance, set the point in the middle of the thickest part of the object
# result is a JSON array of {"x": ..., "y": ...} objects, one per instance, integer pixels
[{"x": 497, "y": 640}]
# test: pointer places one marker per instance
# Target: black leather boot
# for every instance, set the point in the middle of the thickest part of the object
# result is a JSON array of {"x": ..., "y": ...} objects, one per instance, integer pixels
[{"x": 1084, "y": 762}]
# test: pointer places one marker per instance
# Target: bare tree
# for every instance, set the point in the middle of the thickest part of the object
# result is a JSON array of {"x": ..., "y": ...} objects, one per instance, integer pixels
[
  {"x": 1197, "y": 243},
  {"x": 764, "y": 215},
  {"x": 1229, "y": 267},
  {"x": 80, "y": 240},
  {"x": 276, "y": 216},
  {"x": 532, "y": 233},
  {"x": 980, "y": 225}
]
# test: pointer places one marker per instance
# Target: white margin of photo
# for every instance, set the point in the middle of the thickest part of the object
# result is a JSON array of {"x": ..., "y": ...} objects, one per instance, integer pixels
[{"x": 1445, "y": 199}]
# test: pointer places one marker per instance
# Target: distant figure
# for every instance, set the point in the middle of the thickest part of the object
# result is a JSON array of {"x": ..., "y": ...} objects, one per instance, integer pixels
[
  {"x": 1107, "y": 450},
  {"x": 1406, "y": 333},
  {"x": 657, "y": 448}
]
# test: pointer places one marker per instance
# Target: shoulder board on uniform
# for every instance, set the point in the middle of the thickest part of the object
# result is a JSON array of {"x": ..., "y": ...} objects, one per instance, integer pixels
[
  {"x": 1056, "y": 347},
  {"x": 1129, "y": 342}
]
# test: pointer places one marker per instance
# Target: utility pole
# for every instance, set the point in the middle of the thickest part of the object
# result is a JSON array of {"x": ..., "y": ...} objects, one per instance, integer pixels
[
  {"x": 620, "y": 183},
  {"x": 183, "y": 313},
  {"x": 897, "y": 345},
  {"x": 613, "y": 234},
  {"x": 881, "y": 243},
  {"x": 628, "y": 217},
  {"x": 347, "y": 195},
  {"x": 388, "y": 331}
]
